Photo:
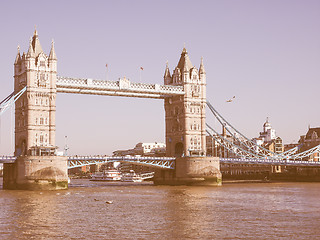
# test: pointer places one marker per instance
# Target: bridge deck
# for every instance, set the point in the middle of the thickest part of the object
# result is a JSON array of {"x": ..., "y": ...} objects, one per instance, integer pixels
[{"x": 166, "y": 162}]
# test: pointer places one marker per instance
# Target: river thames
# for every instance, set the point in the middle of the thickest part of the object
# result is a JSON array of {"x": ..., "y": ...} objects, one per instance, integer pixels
[{"x": 144, "y": 211}]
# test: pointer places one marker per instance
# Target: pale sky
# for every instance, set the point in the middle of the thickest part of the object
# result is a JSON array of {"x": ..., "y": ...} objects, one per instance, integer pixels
[{"x": 266, "y": 53}]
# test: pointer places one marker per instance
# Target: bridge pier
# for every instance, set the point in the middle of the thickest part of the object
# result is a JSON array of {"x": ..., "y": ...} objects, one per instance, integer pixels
[
  {"x": 203, "y": 171},
  {"x": 36, "y": 173}
]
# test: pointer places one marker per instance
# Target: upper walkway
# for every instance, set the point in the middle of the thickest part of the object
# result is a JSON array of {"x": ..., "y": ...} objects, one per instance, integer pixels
[{"x": 123, "y": 87}]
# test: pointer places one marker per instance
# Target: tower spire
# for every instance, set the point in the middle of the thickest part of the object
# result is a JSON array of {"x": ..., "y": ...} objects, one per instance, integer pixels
[
  {"x": 35, "y": 31},
  {"x": 201, "y": 68},
  {"x": 52, "y": 55},
  {"x": 167, "y": 71},
  {"x": 30, "y": 52},
  {"x": 36, "y": 43},
  {"x": 185, "y": 65},
  {"x": 18, "y": 57}
]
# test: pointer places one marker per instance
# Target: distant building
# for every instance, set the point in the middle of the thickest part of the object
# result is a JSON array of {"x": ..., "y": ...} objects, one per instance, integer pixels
[
  {"x": 268, "y": 139},
  {"x": 268, "y": 133},
  {"x": 154, "y": 149},
  {"x": 274, "y": 145},
  {"x": 144, "y": 149},
  {"x": 150, "y": 149},
  {"x": 310, "y": 140},
  {"x": 290, "y": 146}
]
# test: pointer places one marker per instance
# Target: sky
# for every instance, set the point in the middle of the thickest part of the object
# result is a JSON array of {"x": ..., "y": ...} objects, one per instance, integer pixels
[{"x": 266, "y": 53}]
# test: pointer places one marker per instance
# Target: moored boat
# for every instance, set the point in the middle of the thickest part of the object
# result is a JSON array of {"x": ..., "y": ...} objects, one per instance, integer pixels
[
  {"x": 135, "y": 177},
  {"x": 107, "y": 175}
]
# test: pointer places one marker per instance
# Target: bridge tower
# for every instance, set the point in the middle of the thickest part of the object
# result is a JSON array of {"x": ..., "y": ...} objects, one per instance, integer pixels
[
  {"x": 185, "y": 115},
  {"x": 186, "y": 126},
  {"x": 37, "y": 166}
]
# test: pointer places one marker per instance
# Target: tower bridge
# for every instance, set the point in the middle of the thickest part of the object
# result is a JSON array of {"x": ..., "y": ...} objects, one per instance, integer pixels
[{"x": 35, "y": 164}]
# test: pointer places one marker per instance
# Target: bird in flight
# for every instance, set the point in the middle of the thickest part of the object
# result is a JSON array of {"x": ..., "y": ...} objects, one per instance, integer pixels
[{"x": 230, "y": 100}]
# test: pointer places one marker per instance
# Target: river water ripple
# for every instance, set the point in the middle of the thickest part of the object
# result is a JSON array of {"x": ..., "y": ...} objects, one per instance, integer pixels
[{"x": 144, "y": 211}]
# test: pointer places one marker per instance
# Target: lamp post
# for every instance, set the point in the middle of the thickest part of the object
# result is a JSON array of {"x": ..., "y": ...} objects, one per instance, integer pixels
[{"x": 65, "y": 146}]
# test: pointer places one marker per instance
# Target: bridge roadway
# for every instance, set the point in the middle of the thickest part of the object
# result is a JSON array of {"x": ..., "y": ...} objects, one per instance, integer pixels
[
  {"x": 123, "y": 88},
  {"x": 166, "y": 162}
]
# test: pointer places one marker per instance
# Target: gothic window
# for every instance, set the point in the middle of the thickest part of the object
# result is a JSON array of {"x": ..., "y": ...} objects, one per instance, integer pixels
[
  {"x": 42, "y": 80},
  {"x": 36, "y": 121},
  {"x": 46, "y": 121},
  {"x": 41, "y": 121},
  {"x": 36, "y": 138},
  {"x": 37, "y": 101},
  {"x": 41, "y": 138},
  {"x": 42, "y": 63}
]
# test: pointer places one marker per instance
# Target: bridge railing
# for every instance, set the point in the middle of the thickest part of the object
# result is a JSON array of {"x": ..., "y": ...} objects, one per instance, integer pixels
[
  {"x": 157, "y": 162},
  {"x": 270, "y": 161}
]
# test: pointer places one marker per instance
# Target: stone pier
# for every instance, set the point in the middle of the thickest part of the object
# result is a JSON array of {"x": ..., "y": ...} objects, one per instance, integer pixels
[
  {"x": 36, "y": 173},
  {"x": 203, "y": 171}
]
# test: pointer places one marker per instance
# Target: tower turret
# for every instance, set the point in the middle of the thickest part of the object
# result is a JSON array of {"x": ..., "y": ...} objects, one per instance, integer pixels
[
  {"x": 30, "y": 53},
  {"x": 18, "y": 57},
  {"x": 167, "y": 76},
  {"x": 52, "y": 61},
  {"x": 202, "y": 72}
]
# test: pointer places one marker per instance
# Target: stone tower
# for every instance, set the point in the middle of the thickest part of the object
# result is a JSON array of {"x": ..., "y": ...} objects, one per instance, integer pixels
[
  {"x": 186, "y": 128},
  {"x": 37, "y": 166},
  {"x": 185, "y": 115},
  {"x": 35, "y": 110}
]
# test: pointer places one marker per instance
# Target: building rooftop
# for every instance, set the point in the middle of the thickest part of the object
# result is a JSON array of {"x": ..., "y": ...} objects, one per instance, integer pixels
[{"x": 313, "y": 133}]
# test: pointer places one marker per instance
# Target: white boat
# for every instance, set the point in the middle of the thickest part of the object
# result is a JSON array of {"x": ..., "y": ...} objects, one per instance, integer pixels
[
  {"x": 107, "y": 175},
  {"x": 135, "y": 177}
]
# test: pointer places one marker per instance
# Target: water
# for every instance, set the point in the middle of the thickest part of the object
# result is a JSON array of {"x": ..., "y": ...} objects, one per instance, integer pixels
[{"x": 144, "y": 211}]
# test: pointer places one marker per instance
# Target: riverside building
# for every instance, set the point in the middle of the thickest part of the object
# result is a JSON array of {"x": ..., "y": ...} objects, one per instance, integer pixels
[{"x": 310, "y": 140}]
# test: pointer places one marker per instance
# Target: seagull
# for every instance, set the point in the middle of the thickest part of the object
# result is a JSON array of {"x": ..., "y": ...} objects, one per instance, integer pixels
[{"x": 230, "y": 100}]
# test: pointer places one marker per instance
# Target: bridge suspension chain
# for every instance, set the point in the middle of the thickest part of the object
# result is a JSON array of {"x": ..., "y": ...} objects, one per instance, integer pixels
[
  {"x": 233, "y": 148},
  {"x": 10, "y": 100},
  {"x": 306, "y": 153},
  {"x": 243, "y": 147},
  {"x": 238, "y": 137}
]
